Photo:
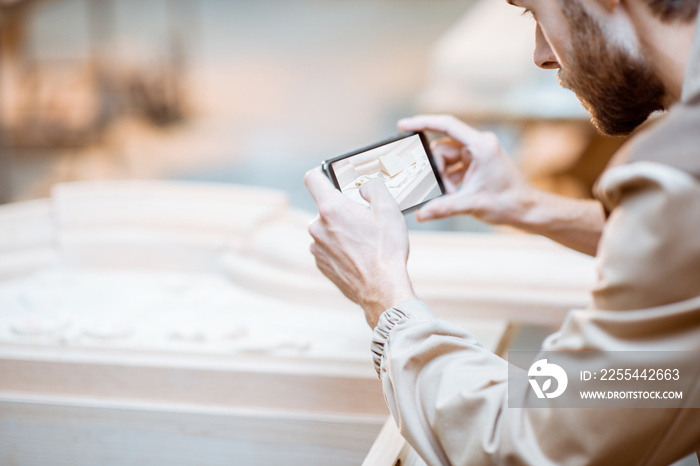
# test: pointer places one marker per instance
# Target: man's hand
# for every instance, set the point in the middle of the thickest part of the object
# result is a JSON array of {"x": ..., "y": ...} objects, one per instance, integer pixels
[
  {"x": 482, "y": 181},
  {"x": 480, "y": 178},
  {"x": 363, "y": 250}
]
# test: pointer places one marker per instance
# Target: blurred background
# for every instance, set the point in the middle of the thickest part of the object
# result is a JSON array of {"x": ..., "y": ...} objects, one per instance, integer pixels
[
  {"x": 259, "y": 92},
  {"x": 173, "y": 321}
]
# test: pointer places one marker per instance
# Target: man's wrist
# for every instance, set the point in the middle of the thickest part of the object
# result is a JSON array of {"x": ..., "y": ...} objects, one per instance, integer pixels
[
  {"x": 540, "y": 211},
  {"x": 575, "y": 223},
  {"x": 530, "y": 210},
  {"x": 388, "y": 296}
]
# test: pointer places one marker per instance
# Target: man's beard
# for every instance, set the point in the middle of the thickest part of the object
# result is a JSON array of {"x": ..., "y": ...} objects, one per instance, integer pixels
[{"x": 619, "y": 91}]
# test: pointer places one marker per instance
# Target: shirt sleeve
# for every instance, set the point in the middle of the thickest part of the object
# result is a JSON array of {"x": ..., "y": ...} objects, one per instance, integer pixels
[
  {"x": 448, "y": 394},
  {"x": 649, "y": 254},
  {"x": 427, "y": 370}
]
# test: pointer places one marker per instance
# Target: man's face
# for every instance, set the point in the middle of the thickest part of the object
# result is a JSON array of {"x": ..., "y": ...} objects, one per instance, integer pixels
[{"x": 617, "y": 86}]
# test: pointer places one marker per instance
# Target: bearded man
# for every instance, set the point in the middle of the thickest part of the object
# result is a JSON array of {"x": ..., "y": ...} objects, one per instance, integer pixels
[{"x": 624, "y": 59}]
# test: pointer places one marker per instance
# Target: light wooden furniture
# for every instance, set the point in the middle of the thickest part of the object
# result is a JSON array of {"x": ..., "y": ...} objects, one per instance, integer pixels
[
  {"x": 27, "y": 238},
  {"x": 391, "y": 449},
  {"x": 139, "y": 338}
]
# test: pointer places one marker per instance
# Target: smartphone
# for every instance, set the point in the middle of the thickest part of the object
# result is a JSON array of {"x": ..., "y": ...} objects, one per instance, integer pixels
[{"x": 404, "y": 163}]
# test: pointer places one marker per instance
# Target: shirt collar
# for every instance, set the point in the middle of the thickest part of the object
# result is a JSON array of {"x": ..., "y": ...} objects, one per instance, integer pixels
[{"x": 691, "y": 81}]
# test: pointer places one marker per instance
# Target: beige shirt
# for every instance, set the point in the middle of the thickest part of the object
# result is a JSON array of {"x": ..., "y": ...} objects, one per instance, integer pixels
[{"x": 448, "y": 394}]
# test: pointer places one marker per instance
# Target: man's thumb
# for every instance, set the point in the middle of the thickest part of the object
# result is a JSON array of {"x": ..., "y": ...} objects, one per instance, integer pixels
[
  {"x": 375, "y": 192},
  {"x": 438, "y": 208}
]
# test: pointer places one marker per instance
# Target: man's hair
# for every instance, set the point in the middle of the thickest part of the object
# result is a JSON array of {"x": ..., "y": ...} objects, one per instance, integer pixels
[{"x": 674, "y": 10}]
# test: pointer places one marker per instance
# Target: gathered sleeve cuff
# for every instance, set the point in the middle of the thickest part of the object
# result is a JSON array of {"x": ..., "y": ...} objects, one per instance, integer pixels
[{"x": 411, "y": 309}]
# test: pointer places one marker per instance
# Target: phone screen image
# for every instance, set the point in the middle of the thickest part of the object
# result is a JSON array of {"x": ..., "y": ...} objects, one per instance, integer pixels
[{"x": 404, "y": 164}]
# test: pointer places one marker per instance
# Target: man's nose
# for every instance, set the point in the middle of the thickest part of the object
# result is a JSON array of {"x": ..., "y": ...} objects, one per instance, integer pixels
[{"x": 544, "y": 56}]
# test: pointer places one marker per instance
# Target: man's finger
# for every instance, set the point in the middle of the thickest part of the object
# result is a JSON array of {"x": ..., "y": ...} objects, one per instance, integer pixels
[
  {"x": 446, "y": 124},
  {"x": 319, "y": 185},
  {"x": 450, "y": 185},
  {"x": 376, "y": 193},
  {"x": 315, "y": 228},
  {"x": 438, "y": 208},
  {"x": 446, "y": 151}
]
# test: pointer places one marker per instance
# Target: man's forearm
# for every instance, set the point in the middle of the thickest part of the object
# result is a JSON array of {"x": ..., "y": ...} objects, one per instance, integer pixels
[{"x": 575, "y": 223}]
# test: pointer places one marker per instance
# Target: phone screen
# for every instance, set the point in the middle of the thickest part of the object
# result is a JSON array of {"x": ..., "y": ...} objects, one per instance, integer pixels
[{"x": 404, "y": 164}]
